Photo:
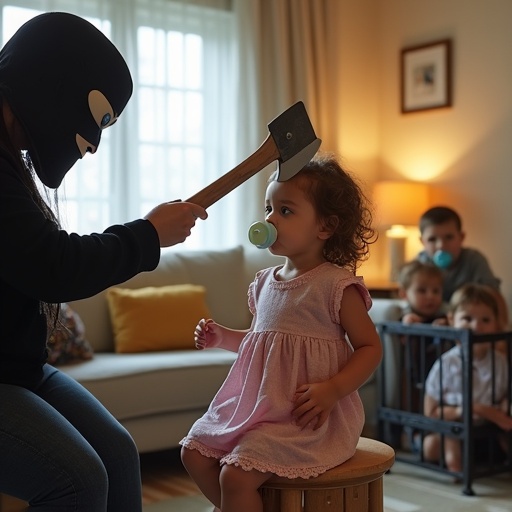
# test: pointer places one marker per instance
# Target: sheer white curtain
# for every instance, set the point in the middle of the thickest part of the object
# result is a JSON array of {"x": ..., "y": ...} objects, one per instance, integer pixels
[
  {"x": 285, "y": 57},
  {"x": 209, "y": 75},
  {"x": 178, "y": 132}
]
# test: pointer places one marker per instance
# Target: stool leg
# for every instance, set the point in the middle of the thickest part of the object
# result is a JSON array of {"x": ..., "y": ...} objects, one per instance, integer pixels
[
  {"x": 356, "y": 498},
  {"x": 376, "y": 495},
  {"x": 291, "y": 500},
  {"x": 324, "y": 500},
  {"x": 271, "y": 500}
]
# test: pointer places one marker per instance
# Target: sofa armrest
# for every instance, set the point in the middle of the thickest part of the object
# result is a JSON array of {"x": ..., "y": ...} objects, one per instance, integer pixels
[
  {"x": 386, "y": 310},
  {"x": 389, "y": 310}
]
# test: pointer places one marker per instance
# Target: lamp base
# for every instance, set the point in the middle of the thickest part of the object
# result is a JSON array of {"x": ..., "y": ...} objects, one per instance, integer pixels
[{"x": 396, "y": 256}]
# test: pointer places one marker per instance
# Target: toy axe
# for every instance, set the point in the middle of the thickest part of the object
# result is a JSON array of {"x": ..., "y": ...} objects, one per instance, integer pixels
[{"x": 291, "y": 141}]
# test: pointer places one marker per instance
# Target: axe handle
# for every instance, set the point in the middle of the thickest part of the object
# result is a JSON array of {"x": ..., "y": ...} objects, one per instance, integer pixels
[{"x": 263, "y": 156}]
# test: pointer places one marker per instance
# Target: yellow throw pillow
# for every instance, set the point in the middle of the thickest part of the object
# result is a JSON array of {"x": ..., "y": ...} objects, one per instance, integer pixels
[{"x": 156, "y": 318}]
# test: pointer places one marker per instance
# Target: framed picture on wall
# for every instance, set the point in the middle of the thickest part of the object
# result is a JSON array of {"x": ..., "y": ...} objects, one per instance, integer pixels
[{"x": 426, "y": 76}]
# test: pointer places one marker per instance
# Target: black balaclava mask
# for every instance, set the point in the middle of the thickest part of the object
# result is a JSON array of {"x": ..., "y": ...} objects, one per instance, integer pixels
[{"x": 65, "y": 82}]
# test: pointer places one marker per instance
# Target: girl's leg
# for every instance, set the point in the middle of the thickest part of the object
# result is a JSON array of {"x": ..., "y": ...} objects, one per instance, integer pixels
[
  {"x": 240, "y": 489},
  {"x": 205, "y": 471},
  {"x": 102, "y": 433}
]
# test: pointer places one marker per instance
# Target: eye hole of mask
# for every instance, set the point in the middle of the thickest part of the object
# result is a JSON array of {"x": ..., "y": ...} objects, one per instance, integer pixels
[
  {"x": 105, "y": 120},
  {"x": 101, "y": 110}
]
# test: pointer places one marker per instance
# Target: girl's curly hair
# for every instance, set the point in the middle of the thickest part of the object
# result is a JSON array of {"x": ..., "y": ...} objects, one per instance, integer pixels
[{"x": 341, "y": 204}]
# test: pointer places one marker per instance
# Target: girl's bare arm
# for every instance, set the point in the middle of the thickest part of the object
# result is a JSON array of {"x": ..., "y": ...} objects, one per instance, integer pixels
[{"x": 316, "y": 400}]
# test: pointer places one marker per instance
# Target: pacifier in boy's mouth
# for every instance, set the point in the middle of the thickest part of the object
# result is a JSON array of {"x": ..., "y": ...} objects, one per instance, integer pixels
[
  {"x": 442, "y": 259},
  {"x": 262, "y": 234}
]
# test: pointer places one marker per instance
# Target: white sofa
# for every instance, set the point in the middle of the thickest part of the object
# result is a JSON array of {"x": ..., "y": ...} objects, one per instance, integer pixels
[{"x": 158, "y": 395}]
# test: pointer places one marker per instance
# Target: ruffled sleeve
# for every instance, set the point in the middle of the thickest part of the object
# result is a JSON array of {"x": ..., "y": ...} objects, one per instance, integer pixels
[
  {"x": 339, "y": 288},
  {"x": 251, "y": 293}
]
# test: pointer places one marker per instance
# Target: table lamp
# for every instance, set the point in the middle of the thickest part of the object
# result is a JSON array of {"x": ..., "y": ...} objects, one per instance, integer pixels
[{"x": 399, "y": 206}]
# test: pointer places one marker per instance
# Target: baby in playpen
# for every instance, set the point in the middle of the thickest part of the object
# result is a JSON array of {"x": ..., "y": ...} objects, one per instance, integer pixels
[
  {"x": 472, "y": 307},
  {"x": 421, "y": 286}
]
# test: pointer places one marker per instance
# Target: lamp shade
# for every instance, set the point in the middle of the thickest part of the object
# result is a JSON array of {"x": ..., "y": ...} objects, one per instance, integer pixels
[{"x": 400, "y": 202}]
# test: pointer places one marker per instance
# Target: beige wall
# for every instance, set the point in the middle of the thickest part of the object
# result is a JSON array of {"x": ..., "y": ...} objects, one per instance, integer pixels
[
  {"x": 354, "y": 33},
  {"x": 464, "y": 151}
]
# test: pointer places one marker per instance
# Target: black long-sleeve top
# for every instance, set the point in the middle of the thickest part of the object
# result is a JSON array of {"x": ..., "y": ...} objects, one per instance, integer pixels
[{"x": 40, "y": 262}]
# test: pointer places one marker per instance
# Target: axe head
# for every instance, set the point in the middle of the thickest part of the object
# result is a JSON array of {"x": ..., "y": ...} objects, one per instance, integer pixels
[{"x": 295, "y": 140}]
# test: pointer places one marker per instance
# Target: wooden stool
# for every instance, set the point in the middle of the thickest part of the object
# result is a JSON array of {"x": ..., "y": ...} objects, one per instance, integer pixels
[{"x": 354, "y": 486}]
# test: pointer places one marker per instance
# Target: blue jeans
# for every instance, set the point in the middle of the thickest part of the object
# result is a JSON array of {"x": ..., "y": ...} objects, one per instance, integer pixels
[{"x": 61, "y": 450}]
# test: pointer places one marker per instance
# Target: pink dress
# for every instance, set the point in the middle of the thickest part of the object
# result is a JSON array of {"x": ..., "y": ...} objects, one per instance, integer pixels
[{"x": 296, "y": 338}]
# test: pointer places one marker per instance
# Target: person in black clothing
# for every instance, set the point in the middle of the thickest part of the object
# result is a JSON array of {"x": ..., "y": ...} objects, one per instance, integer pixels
[{"x": 62, "y": 82}]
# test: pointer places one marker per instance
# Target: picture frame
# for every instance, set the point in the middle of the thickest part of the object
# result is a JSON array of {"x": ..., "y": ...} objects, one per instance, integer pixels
[{"x": 426, "y": 76}]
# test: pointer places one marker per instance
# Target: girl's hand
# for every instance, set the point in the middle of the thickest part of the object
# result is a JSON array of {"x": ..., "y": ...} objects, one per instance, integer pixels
[
  {"x": 210, "y": 334},
  {"x": 207, "y": 334},
  {"x": 314, "y": 403}
]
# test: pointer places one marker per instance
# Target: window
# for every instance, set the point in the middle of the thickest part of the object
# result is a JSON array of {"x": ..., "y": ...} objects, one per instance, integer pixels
[{"x": 177, "y": 133}]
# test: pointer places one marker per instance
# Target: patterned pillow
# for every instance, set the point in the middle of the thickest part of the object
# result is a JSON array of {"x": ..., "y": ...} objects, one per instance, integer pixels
[{"x": 67, "y": 342}]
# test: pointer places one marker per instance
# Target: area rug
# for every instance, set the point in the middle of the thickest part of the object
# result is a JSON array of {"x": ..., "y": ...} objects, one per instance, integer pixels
[
  {"x": 409, "y": 488},
  {"x": 406, "y": 489}
]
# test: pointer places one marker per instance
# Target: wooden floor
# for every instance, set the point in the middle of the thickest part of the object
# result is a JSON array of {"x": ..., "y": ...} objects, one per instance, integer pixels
[
  {"x": 163, "y": 476},
  {"x": 8, "y": 504}
]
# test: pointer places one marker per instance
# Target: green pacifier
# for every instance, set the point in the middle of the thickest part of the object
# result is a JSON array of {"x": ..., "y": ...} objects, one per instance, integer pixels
[
  {"x": 442, "y": 259},
  {"x": 262, "y": 234}
]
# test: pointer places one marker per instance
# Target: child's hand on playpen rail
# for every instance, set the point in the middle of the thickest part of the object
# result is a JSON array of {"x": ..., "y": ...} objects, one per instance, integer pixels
[{"x": 496, "y": 416}]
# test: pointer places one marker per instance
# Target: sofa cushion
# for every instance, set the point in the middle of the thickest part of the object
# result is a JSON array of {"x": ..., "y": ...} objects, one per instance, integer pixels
[
  {"x": 221, "y": 272},
  {"x": 138, "y": 385},
  {"x": 156, "y": 317}
]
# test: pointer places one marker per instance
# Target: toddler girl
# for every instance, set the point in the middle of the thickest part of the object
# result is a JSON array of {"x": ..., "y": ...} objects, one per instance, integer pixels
[{"x": 289, "y": 405}]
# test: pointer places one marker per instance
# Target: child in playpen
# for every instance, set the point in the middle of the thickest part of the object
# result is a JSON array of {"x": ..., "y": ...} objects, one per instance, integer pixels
[
  {"x": 472, "y": 307},
  {"x": 421, "y": 286},
  {"x": 289, "y": 405}
]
